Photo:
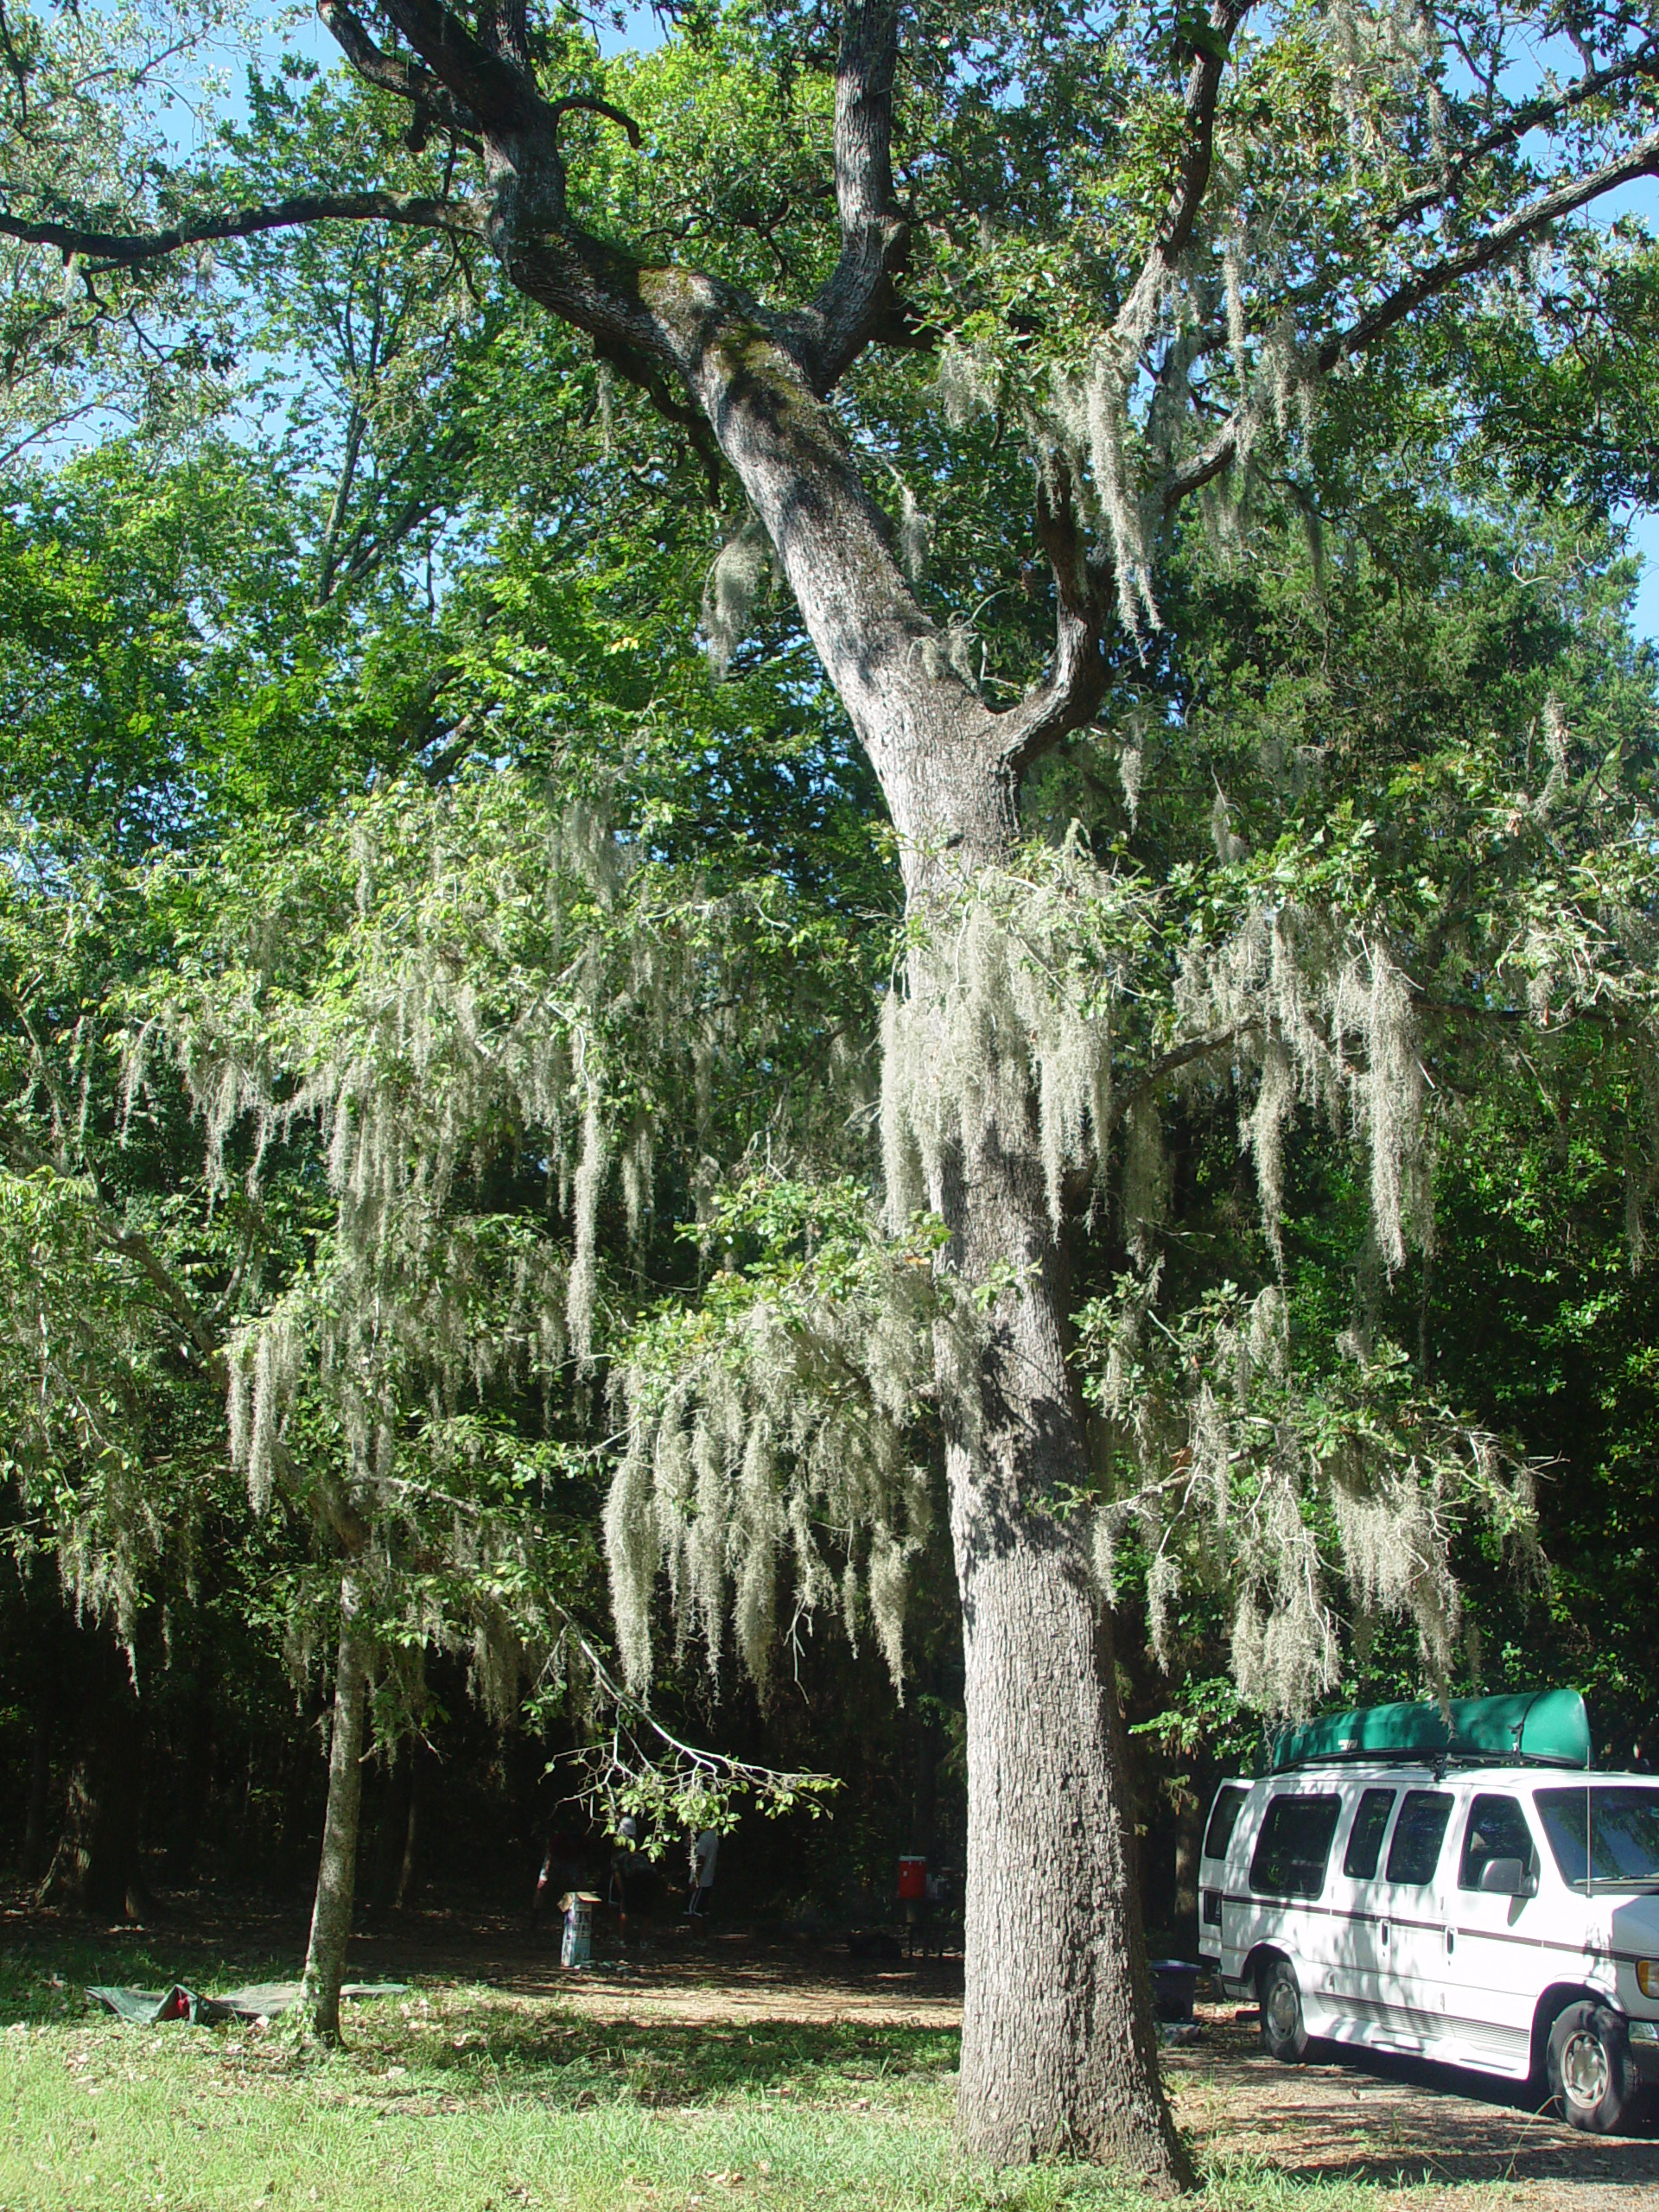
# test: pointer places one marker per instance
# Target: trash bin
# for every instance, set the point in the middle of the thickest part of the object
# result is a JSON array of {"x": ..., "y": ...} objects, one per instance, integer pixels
[
  {"x": 577, "y": 1947},
  {"x": 912, "y": 1880},
  {"x": 1174, "y": 1983}
]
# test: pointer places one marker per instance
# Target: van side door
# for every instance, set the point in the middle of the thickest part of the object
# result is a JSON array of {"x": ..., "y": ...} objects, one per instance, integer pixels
[
  {"x": 1412, "y": 1985},
  {"x": 1360, "y": 1929},
  {"x": 1495, "y": 1973},
  {"x": 1288, "y": 1862}
]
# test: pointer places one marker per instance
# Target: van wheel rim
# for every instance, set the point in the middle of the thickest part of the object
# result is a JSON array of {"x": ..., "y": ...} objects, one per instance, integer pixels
[
  {"x": 1283, "y": 2009},
  {"x": 1584, "y": 2072}
]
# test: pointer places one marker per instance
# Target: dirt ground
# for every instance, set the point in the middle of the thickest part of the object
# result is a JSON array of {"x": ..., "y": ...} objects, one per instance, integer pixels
[{"x": 1385, "y": 2119}]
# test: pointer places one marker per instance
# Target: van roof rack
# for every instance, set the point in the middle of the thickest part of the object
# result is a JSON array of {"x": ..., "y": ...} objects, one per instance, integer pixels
[{"x": 1536, "y": 1728}]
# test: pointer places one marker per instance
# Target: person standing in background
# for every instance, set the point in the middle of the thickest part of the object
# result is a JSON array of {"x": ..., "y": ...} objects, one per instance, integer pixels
[
  {"x": 705, "y": 1851},
  {"x": 625, "y": 1858}
]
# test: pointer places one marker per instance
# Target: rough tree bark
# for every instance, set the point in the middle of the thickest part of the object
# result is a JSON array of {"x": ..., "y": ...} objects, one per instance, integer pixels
[
  {"x": 1059, "y": 2049},
  {"x": 331, "y": 1914}
]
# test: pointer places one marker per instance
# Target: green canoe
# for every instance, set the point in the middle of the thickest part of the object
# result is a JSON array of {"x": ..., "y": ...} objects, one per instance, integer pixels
[{"x": 1549, "y": 1728}]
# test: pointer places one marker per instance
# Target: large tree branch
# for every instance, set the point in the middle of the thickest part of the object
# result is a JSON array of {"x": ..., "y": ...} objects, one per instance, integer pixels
[
  {"x": 398, "y": 74},
  {"x": 502, "y": 98},
  {"x": 1640, "y": 160},
  {"x": 860, "y": 302},
  {"x": 1440, "y": 275},
  {"x": 1175, "y": 228},
  {"x": 1075, "y": 679},
  {"x": 107, "y": 250}
]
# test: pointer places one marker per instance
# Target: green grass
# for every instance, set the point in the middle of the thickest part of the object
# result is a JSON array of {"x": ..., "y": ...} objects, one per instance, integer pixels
[{"x": 462, "y": 2098}]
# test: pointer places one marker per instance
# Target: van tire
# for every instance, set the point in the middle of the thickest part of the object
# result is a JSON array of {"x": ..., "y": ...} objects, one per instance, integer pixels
[
  {"x": 1284, "y": 2030},
  {"x": 1587, "y": 2064}
]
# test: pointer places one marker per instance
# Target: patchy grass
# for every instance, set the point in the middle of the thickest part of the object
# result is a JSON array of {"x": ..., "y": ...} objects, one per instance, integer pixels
[{"x": 461, "y": 2098}]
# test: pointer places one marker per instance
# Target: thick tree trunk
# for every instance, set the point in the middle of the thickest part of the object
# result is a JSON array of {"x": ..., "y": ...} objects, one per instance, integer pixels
[
  {"x": 331, "y": 1915},
  {"x": 1059, "y": 2049},
  {"x": 1060, "y": 2053}
]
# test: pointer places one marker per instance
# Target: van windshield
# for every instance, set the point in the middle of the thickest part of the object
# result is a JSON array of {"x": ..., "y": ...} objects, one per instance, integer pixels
[{"x": 1619, "y": 1824}]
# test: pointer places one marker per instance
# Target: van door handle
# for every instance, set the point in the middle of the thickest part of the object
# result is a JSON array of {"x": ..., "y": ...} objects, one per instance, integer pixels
[
  {"x": 1450, "y": 1941},
  {"x": 1382, "y": 1933}
]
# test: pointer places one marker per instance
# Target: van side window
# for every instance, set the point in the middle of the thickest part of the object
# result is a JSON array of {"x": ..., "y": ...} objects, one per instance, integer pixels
[
  {"x": 1498, "y": 1830},
  {"x": 1365, "y": 1837},
  {"x": 1418, "y": 1834},
  {"x": 1222, "y": 1820},
  {"x": 1290, "y": 1853}
]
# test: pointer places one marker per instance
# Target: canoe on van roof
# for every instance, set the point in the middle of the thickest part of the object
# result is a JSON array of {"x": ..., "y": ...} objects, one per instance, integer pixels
[{"x": 1548, "y": 1727}]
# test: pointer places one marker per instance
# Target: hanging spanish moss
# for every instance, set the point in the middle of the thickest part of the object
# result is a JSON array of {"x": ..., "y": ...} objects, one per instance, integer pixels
[{"x": 774, "y": 1438}]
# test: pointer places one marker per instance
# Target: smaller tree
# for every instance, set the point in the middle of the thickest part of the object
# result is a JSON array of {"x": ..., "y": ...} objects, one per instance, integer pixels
[{"x": 459, "y": 1018}]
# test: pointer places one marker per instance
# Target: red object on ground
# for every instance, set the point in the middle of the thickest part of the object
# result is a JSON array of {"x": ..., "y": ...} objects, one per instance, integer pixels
[{"x": 912, "y": 1880}]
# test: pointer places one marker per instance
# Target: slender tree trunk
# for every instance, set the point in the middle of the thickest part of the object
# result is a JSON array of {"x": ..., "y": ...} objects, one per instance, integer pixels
[
  {"x": 390, "y": 1832},
  {"x": 331, "y": 1917},
  {"x": 40, "y": 1791},
  {"x": 188, "y": 1807},
  {"x": 96, "y": 1867},
  {"x": 409, "y": 1873},
  {"x": 924, "y": 1787},
  {"x": 1189, "y": 1842}
]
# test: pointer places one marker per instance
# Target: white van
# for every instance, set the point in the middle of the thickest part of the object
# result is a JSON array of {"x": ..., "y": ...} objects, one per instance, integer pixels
[{"x": 1499, "y": 1915}]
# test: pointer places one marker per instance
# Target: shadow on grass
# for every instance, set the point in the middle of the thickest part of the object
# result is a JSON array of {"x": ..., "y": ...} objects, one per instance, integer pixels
[
  {"x": 569, "y": 2062},
  {"x": 462, "y": 2040}
]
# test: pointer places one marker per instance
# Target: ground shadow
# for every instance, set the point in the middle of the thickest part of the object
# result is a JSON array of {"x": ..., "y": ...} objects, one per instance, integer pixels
[{"x": 1374, "y": 2117}]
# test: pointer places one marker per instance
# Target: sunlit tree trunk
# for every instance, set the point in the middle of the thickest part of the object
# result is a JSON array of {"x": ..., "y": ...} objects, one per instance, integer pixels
[
  {"x": 331, "y": 1917},
  {"x": 1059, "y": 2049}
]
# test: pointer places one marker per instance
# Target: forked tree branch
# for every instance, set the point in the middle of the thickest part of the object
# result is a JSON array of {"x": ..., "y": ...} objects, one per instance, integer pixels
[
  {"x": 397, "y": 73},
  {"x": 1175, "y": 228},
  {"x": 859, "y": 300},
  {"x": 1072, "y": 685},
  {"x": 501, "y": 96}
]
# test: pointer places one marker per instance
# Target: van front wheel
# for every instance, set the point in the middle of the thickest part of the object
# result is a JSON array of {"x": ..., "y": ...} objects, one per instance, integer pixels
[
  {"x": 1590, "y": 2071},
  {"x": 1283, "y": 2029}
]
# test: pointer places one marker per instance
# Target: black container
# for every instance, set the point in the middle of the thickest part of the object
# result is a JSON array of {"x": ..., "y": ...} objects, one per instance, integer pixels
[{"x": 1174, "y": 1982}]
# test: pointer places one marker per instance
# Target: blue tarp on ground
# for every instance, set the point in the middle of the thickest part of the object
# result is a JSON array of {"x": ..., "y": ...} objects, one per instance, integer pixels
[{"x": 258, "y": 2000}]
